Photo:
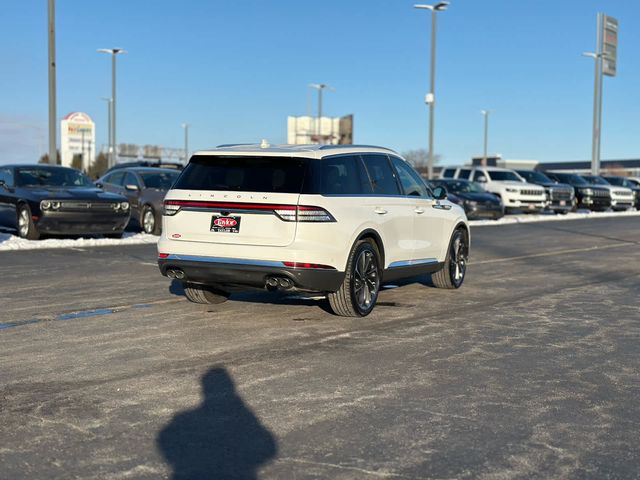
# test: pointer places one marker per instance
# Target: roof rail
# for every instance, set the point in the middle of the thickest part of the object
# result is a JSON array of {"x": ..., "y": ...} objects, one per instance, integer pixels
[
  {"x": 234, "y": 145},
  {"x": 330, "y": 147}
]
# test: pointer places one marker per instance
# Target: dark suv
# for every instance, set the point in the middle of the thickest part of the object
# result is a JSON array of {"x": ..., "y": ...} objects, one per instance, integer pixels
[
  {"x": 589, "y": 196},
  {"x": 561, "y": 196}
]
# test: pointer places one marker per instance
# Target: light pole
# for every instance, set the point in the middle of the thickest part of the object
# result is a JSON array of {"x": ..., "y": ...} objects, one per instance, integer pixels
[
  {"x": 53, "y": 153},
  {"x": 597, "y": 109},
  {"x": 113, "y": 52},
  {"x": 186, "y": 142},
  {"x": 109, "y": 107},
  {"x": 485, "y": 113},
  {"x": 430, "y": 97},
  {"x": 320, "y": 87}
]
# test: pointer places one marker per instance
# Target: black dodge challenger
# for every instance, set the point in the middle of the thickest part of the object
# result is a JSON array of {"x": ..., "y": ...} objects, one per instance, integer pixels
[{"x": 42, "y": 199}]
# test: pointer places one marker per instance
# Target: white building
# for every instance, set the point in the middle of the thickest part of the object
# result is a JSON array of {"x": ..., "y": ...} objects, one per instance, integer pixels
[
  {"x": 329, "y": 130},
  {"x": 77, "y": 136}
]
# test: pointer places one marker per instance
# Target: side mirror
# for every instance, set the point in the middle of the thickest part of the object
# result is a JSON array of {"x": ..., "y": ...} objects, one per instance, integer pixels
[
  {"x": 131, "y": 187},
  {"x": 3, "y": 184},
  {"x": 440, "y": 193},
  {"x": 98, "y": 184},
  {"x": 481, "y": 179}
]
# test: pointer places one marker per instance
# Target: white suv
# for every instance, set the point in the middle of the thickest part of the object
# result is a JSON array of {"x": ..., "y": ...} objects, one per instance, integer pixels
[
  {"x": 516, "y": 193},
  {"x": 339, "y": 220}
]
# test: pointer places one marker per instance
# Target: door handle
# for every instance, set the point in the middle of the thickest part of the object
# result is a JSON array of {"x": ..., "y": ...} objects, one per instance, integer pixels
[
  {"x": 441, "y": 206},
  {"x": 380, "y": 211},
  {"x": 418, "y": 210}
]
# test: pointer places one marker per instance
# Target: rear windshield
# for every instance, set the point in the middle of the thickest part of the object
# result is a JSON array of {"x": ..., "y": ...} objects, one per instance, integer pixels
[{"x": 243, "y": 174}]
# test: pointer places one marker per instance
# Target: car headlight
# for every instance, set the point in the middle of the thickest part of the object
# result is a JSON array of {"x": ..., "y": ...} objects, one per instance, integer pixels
[
  {"x": 512, "y": 190},
  {"x": 124, "y": 206},
  {"x": 55, "y": 205},
  {"x": 45, "y": 205},
  {"x": 587, "y": 191},
  {"x": 471, "y": 203}
]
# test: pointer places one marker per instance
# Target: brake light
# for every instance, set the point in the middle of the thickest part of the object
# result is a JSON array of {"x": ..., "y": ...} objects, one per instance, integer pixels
[
  {"x": 287, "y": 213},
  {"x": 163, "y": 255},
  {"x": 307, "y": 265}
]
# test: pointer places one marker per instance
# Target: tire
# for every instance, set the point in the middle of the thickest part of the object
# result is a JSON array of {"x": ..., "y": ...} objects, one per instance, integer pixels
[
  {"x": 358, "y": 293},
  {"x": 150, "y": 222},
  {"x": 453, "y": 272},
  {"x": 204, "y": 294},
  {"x": 26, "y": 228}
]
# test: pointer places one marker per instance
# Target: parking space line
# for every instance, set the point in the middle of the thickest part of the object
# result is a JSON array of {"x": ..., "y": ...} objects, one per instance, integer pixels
[{"x": 554, "y": 253}]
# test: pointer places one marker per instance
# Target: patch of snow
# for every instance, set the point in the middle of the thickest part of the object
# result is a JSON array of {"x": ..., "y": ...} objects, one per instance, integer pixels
[
  {"x": 533, "y": 218},
  {"x": 11, "y": 242}
]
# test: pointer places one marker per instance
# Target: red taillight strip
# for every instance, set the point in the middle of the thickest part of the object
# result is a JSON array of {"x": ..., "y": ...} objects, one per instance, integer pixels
[
  {"x": 244, "y": 206},
  {"x": 163, "y": 255},
  {"x": 307, "y": 265}
]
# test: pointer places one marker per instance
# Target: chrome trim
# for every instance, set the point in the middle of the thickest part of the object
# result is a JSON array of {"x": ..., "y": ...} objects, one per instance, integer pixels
[
  {"x": 236, "y": 261},
  {"x": 412, "y": 263},
  {"x": 234, "y": 210}
]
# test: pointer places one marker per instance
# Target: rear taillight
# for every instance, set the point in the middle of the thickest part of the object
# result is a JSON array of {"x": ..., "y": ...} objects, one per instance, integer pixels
[
  {"x": 307, "y": 265},
  {"x": 287, "y": 213},
  {"x": 163, "y": 255},
  {"x": 171, "y": 207},
  {"x": 303, "y": 213}
]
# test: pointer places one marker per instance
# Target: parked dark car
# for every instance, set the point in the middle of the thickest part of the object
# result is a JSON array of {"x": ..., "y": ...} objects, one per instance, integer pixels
[
  {"x": 146, "y": 163},
  {"x": 626, "y": 183},
  {"x": 476, "y": 201},
  {"x": 145, "y": 189},
  {"x": 621, "y": 198},
  {"x": 560, "y": 196},
  {"x": 39, "y": 199},
  {"x": 588, "y": 195}
]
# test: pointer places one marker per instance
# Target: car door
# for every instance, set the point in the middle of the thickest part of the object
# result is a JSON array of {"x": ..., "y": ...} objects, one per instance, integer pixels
[
  {"x": 113, "y": 182},
  {"x": 132, "y": 190},
  {"x": 389, "y": 210},
  {"x": 7, "y": 201},
  {"x": 428, "y": 218}
]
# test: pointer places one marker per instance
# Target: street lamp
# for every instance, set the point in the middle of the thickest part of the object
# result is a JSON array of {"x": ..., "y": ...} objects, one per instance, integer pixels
[
  {"x": 430, "y": 97},
  {"x": 485, "y": 113},
  {"x": 320, "y": 87},
  {"x": 186, "y": 142},
  {"x": 109, "y": 107},
  {"x": 113, "y": 52}
]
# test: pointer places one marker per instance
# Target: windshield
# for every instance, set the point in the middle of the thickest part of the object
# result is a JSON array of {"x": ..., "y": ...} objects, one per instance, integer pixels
[
  {"x": 597, "y": 180},
  {"x": 462, "y": 187},
  {"x": 504, "y": 176},
  {"x": 51, "y": 177},
  {"x": 570, "y": 178},
  {"x": 534, "y": 177},
  {"x": 159, "y": 180}
]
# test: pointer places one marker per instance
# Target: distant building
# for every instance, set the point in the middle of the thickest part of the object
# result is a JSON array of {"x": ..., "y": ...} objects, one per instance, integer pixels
[
  {"x": 329, "y": 130},
  {"x": 77, "y": 137}
]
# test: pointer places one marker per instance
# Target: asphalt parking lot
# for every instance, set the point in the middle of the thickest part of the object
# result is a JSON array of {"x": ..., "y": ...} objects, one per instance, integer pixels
[{"x": 531, "y": 370}]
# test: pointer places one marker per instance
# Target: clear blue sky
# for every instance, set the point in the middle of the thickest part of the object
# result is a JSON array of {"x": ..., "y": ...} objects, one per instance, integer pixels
[{"x": 236, "y": 69}]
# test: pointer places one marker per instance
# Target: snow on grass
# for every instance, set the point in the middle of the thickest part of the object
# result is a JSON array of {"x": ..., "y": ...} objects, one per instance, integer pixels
[
  {"x": 12, "y": 242},
  {"x": 9, "y": 242},
  {"x": 532, "y": 218}
]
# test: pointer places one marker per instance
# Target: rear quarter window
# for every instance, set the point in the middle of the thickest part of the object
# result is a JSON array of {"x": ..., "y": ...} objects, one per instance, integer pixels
[
  {"x": 340, "y": 175},
  {"x": 243, "y": 174},
  {"x": 383, "y": 180}
]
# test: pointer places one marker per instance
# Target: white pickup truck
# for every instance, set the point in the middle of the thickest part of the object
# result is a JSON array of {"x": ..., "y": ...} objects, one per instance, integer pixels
[{"x": 515, "y": 192}]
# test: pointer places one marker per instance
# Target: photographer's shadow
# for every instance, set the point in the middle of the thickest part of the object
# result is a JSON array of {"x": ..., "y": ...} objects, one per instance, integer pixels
[{"x": 221, "y": 438}]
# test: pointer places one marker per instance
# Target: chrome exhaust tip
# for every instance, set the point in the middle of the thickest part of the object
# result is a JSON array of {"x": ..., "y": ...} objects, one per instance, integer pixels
[
  {"x": 179, "y": 274},
  {"x": 171, "y": 273},
  {"x": 285, "y": 283},
  {"x": 272, "y": 282}
]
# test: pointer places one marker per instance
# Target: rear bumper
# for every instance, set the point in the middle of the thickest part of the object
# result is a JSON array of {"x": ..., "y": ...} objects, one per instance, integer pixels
[
  {"x": 82, "y": 222},
  {"x": 249, "y": 273}
]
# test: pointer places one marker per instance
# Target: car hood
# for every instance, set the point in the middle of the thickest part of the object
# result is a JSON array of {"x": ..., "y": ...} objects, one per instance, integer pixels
[
  {"x": 61, "y": 193},
  {"x": 478, "y": 197}
]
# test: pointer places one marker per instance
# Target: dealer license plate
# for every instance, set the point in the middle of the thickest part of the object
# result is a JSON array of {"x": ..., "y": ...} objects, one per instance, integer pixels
[{"x": 222, "y": 224}]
